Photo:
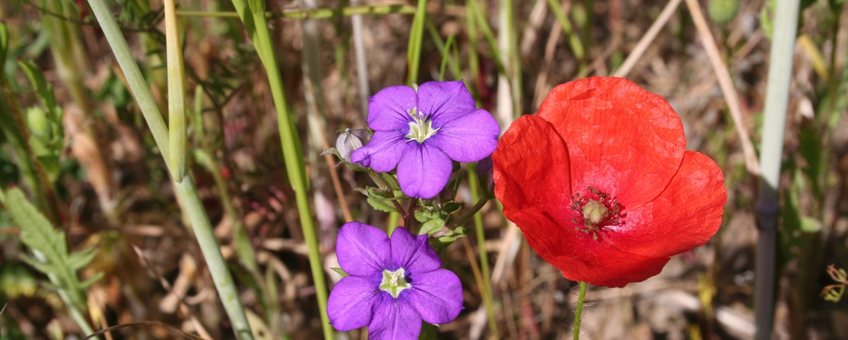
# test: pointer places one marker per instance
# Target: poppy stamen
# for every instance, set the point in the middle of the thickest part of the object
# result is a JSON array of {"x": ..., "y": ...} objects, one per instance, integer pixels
[{"x": 594, "y": 211}]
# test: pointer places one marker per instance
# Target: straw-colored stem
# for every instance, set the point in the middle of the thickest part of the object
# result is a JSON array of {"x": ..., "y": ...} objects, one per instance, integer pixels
[
  {"x": 726, "y": 85},
  {"x": 176, "y": 95},
  {"x": 771, "y": 151},
  {"x": 486, "y": 290}
]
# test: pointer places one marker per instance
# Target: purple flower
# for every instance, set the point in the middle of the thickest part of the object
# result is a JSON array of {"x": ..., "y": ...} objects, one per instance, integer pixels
[
  {"x": 420, "y": 133},
  {"x": 392, "y": 285}
]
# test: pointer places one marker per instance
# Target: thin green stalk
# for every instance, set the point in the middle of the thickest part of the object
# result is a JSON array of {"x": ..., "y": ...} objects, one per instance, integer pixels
[
  {"x": 476, "y": 13},
  {"x": 774, "y": 126},
  {"x": 573, "y": 40},
  {"x": 76, "y": 314},
  {"x": 579, "y": 313},
  {"x": 252, "y": 14},
  {"x": 416, "y": 37},
  {"x": 320, "y": 13},
  {"x": 474, "y": 184},
  {"x": 185, "y": 186},
  {"x": 394, "y": 219}
]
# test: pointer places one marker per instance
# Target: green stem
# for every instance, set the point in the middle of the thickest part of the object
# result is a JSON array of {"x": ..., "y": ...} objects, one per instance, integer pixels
[
  {"x": 774, "y": 126},
  {"x": 185, "y": 186},
  {"x": 474, "y": 184},
  {"x": 253, "y": 17},
  {"x": 416, "y": 37},
  {"x": 573, "y": 40},
  {"x": 579, "y": 313},
  {"x": 212, "y": 254}
]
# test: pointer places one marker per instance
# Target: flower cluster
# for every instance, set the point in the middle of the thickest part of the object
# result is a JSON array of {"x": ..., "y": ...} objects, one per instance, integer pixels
[
  {"x": 601, "y": 184},
  {"x": 393, "y": 284}
]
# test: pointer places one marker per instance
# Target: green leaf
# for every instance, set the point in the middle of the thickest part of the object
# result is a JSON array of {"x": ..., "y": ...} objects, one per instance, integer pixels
[
  {"x": 432, "y": 226},
  {"x": 4, "y": 43},
  {"x": 48, "y": 245},
  {"x": 381, "y": 204}
]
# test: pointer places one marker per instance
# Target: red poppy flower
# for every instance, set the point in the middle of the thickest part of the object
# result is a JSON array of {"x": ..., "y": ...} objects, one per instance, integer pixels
[{"x": 601, "y": 184}]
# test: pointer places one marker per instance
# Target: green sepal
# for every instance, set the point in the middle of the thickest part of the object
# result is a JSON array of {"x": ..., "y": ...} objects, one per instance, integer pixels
[
  {"x": 449, "y": 237},
  {"x": 340, "y": 271}
]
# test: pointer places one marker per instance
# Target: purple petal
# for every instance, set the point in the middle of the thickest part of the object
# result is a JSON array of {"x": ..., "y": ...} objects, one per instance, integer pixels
[
  {"x": 388, "y": 109},
  {"x": 468, "y": 138},
  {"x": 423, "y": 171},
  {"x": 383, "y": 151},
  {"x": 444, "y": 100},
  {"x": 352, "y": 303},
  {"x": 363, "y": 250},
  {"x": 394, "y": 319},
  {"x": 437, "y": 296},
  {"x": 413, "y": 253}
]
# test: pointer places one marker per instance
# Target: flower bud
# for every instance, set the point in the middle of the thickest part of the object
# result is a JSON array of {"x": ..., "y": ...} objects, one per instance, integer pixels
[{"x": 350, "y": 140}]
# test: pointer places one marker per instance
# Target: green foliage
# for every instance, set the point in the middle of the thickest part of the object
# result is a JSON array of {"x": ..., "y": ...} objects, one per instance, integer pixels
[
  {"x": 722, "y": 12},
  {"x": 45, "y": 125},
  {"x": 51, "y": 251}
]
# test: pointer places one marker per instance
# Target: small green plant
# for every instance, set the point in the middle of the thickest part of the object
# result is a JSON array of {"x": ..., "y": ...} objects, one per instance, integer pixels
[{"x": 834, "y": 292}]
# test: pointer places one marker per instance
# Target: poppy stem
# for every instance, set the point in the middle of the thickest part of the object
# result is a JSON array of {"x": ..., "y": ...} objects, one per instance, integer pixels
[{"x": 578, "y": 314}]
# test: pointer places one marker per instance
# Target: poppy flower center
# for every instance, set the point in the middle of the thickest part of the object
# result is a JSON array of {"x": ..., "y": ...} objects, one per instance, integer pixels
[
  {"x": 420, "y": 128},
  {"x": 595, "y": 210},
  {"x": 394, "y": 282}
]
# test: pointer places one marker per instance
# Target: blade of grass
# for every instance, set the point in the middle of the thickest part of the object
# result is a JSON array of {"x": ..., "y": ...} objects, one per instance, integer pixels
[
  {"x": 573, "y": 40},
  {"x": 252, "y": 14},
  {"x": 185, "y": 187},
  {"x": 486, "y": 289},
  {"x": 416, "y": 37},
  {"x": 774, "y": 126}
]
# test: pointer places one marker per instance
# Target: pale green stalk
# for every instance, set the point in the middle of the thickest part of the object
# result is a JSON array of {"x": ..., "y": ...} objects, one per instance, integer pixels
[
  {"x": 176, "y": 95},
  {"x": 579, "y": 313},
  {"x": 185, "y": 186},
  {"x": 474, "y": 184},
  {"x": 774, "y": 126},
  {"x": 416, "y": 37},
  {"x": 252, "y": 14},
  {"x": 573, "y": 40}
]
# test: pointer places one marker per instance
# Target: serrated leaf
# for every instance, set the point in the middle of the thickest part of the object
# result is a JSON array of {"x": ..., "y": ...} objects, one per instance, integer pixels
[
  {"x": 381, "y": 204},
  {"x": 90, "y": 281},
  {"x": 80, "y": 259},
  {"x": 41, "y": 86},
  {"x": 48, "y": 245}
]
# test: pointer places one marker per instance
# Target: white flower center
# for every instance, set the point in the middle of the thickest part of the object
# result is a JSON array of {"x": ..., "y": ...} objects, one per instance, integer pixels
[
  {"x": 420, "y": 128},
  {"x": 394, "y": 282}
]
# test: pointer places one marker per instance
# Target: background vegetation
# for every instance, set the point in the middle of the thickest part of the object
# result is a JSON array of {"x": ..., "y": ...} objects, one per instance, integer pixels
[{"x": 114, "y": 246}]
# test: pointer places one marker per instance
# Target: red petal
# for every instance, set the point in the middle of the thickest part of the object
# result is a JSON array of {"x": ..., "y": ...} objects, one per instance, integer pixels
[
  {"x": 622, "y": 139},
  {"x": 682, "y": 217},
  {"x": 531, "y": 167},
  {"x": 531, "y": 180}
]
